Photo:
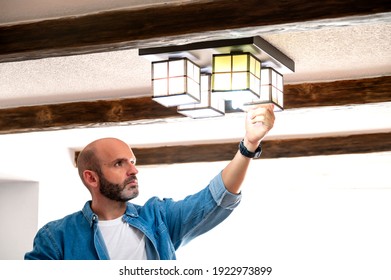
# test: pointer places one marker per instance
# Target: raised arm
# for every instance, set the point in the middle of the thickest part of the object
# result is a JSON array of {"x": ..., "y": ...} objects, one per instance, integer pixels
[{"x": 259, "y": 120}]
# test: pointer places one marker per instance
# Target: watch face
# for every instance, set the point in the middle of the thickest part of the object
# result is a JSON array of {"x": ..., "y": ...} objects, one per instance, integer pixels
[{"x": 258, "y": 153}]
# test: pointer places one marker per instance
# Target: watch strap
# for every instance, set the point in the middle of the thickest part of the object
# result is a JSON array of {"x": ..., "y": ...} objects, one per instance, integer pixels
[{"x": 243, "y": 150}]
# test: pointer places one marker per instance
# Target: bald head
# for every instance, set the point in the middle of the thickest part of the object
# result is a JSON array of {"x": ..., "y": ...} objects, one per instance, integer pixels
[{"x": 90, "y": 158}]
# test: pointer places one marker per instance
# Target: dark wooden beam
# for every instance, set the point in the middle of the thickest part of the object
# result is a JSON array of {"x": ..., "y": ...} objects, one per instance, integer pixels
[
  {"x": 287, "y": 148},
  {"x": 155, "y": 26},
  {"x": 337, "y": 93},
  {"x": 81, "y": 114},
  {"x": 333, "y": 145},
  {"x": 127, "y": 111}
]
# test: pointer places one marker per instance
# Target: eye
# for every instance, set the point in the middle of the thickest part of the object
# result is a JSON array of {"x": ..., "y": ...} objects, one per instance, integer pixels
[
  {"x": 122, "y": 162},
  {"x": 119, "y": 163}
]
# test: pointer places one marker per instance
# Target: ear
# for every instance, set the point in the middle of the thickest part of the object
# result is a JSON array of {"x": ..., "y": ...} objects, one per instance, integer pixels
[{"x": 91, "y": 178}]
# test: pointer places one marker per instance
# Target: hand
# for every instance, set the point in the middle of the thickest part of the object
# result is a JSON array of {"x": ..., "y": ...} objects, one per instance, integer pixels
[{"x": 259, "y": 121}]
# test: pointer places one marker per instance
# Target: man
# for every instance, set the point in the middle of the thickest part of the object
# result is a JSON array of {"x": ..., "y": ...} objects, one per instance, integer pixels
[{"x": 110, "y": 227}]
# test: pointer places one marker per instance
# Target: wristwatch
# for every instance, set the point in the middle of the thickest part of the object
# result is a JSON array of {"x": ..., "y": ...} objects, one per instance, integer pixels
[{"x": 243, "y": 150}]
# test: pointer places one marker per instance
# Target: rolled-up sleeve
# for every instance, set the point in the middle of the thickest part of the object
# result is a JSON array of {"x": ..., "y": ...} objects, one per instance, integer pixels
[{"x": 221, "y": 195}]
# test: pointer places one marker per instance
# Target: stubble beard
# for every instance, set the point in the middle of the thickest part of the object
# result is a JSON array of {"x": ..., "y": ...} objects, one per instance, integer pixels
[{"x": 116, "y": 191}]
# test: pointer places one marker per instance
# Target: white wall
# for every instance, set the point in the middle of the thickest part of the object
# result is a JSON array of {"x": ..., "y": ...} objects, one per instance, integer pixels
[
  {"x": 321, "y": 215},
  {"x": 299, "y": 215},
  {"x": 18, "y": 218}
]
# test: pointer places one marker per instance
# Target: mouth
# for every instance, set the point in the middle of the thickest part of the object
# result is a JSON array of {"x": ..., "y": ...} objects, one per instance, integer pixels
[{"x": 132, "y": 183}]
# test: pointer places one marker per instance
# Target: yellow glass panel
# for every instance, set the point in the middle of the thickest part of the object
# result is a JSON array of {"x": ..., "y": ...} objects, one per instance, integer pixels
[
  {"x": 159, "y": 70},
  {"x": 255, "y": 67},
  {"x": 222, "y": 63},
  {"x": 159, "y": 87},
  {"x": 240, "y": 81},
  {"x": 240, "y": 62},
  {"x": 252, "y": 65},
  {"x": 222, "y": 81}
]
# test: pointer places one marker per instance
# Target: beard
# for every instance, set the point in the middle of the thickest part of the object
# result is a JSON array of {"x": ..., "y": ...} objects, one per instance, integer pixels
[{"x": 118, "y": 192}]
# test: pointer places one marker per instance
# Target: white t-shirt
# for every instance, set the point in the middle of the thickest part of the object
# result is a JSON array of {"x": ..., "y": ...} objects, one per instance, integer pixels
[{"x": 123, "y": 241}]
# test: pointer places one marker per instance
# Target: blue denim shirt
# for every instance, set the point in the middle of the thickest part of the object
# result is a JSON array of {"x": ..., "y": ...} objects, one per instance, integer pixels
[{"x": 167, "y": 225}]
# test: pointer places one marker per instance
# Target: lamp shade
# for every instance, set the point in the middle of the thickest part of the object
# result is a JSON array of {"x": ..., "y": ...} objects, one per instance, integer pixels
[
  {"x": 236, "y": 76},
  {"x": 176, "y": 82},
  {"x": 272, "y": 89},
  {"x": 209, "y": 106}
]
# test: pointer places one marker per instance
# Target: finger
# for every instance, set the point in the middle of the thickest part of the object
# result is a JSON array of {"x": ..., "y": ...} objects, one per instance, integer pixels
[
  {"x": 259, "y": 111},
  {"x": 266, "y": 110},
  {"x": 263, "y": 115},
  {"x": 258, "y": 118}
]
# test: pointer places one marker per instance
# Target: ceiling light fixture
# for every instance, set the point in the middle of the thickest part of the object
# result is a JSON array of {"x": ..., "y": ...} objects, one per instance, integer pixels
[
  {"x": 236, "y": 76},
  {"x": 271, "y": 89},
  {"x": 246, "y": 71},
  {"x": 209, "y": 105},
  {"x": 175, "y": 82}
]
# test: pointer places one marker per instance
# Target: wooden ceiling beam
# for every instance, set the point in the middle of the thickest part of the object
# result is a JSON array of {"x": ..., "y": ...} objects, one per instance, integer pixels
[
  {"x": 81, "y": 114},
  {"x": 286, "y": 148},
  {"x": 171, "y": 24},
  {"x": 338, "y": 93},
  {"x": 130, "y": 110}
]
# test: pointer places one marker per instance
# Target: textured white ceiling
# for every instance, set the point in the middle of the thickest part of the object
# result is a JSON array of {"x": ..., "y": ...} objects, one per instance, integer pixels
[{"x": 332, "y": 53}]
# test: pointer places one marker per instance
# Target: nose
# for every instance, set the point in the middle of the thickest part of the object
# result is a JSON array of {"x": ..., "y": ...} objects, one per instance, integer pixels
[{"x": 132, "y": 170}]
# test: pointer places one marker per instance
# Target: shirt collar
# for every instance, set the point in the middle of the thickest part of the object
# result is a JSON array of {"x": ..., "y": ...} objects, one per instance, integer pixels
[{"x": 91, "y": 217}]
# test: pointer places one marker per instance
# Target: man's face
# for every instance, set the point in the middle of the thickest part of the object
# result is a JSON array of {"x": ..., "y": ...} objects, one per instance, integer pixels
[{"x": 117, "y": 175}]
